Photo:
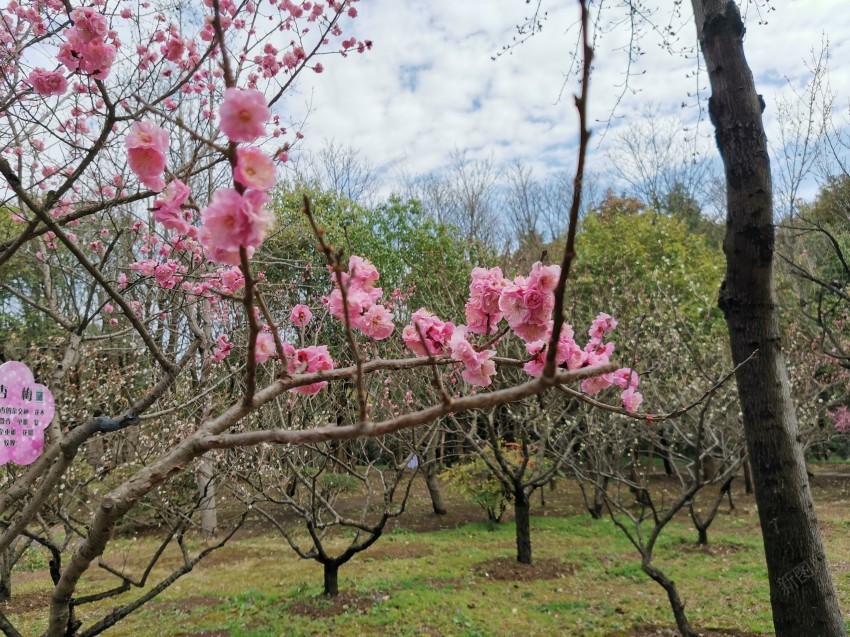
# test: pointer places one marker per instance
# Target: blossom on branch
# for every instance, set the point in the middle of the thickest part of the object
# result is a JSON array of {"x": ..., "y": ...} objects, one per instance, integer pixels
[
  {"x": 243, "y": 114},
  {"x": 146, "y": 145}
]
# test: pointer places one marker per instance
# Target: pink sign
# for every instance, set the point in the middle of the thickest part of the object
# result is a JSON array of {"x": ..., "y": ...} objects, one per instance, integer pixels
[{"x": 26, "y": 408}]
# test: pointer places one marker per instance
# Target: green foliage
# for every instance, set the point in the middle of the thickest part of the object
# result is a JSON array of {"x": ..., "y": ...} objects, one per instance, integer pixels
[
  {"x": 333, "y": 485},
  {"x": 413, "y": 253},
  {"x": 477, "y": 484},
  {"x": 631, "y": 258}
]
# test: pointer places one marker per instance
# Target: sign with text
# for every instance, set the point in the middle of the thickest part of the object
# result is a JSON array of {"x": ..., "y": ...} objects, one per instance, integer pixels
[{"x": 26, "y": 408}]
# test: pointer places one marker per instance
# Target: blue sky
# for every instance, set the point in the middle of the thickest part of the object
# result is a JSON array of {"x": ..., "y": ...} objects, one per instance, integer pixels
[{"x": 429, "y": 85}]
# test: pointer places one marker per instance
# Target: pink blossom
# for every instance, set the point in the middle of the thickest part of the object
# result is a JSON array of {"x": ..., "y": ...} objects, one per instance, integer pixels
[
  {"x": 222, "y": 348},
  {"x": 544, "y": 277},
  {"x": 243, "y": 114},
  {"x": 231, "y": 280},
  {"x": 48, "y": 82},
  {"x": 482, "y": 309},
  {"x": 265, "y": 347},
  {"x": 478, "y": 369},
  {"x": 89, "y": 25},
  {"x": 308, "y": 360},
  {"x": 254, "y": 169},
  {"x": 566, "y": 353},
  {"x": 376, "y": 323},
  {"x": 167, "y": 208},
  {"x": 232, "y": 221},
  {"x": 512, "y": 304},
  {"x": 364, "y": 273},
  {"x": 300, "y": 315},
  {"x": 602, "y": 325},
  {"x": 625, "y": 378},
  {"x": 631, "y": 399},
  {"x": 361, "y": 297},
  {"x": 435, "y": 332},
  {"x": 146, "y": 145},
  {"x": 597, "y": 383},
  {"x": 840, "y": 417}
]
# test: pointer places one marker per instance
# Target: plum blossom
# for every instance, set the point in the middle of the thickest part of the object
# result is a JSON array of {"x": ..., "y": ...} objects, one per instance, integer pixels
[
  {"x": 435, "y": 332},
  {"x": 48, "y": 82},
  {"x": 482, "y": 309},
  {"x": 300, "y": 315},
  {"x": 146, "y": 145},
  {"x": 232, "y": 221},
  {"x": 478, "y": 369},
  {"x": 254, "y": 169},
  {"x": 221, "y": 349},
  {"x": 167, "y": 208},
  {"x": 264, "y": 348},
  {"x": 602, "y": 325},
  {"x": 308, "y": 360},
  {"x": 85, "y": 48},
  {"x": 569, "y": 354},
  {"x": 361, "y": 296},
  {"x": 631, "y": 399},
  {"x": 840, "y": 417},
  {"x": 243, "y": 114},
  {"x": 376, "y": 323}
]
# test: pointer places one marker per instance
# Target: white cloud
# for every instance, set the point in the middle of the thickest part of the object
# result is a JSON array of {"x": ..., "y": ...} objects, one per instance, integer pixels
[{"x": 429, "y": 84}]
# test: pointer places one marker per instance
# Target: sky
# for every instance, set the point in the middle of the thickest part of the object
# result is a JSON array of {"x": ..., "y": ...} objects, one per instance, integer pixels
[{"x": 430, "y": 86}]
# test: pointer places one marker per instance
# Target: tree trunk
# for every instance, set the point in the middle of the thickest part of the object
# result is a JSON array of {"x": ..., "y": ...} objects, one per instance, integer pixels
[
  {"x": 802, "y": 595},
  {"x": 6, "y": 575},
  {"x": 433, "y": 484},
  {"x": 676, "y": 604},
  {"x": 522, "y": 517},
  {"x": 331, "y": 579},
  {"x": 748, "y": 478},
  {"x": 206, "y": 499}
]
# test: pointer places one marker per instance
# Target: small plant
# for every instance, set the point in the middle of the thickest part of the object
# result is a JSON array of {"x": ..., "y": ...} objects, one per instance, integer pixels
[{"x": 476, "y": 482}]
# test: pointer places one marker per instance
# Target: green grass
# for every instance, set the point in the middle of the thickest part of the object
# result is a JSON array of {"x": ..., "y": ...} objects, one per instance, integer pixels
[{"x": 429, "y": 583}]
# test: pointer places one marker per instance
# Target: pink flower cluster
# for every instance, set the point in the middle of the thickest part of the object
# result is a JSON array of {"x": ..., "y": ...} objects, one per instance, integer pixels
[
  {"x": 146, "y": 145},
  {"x": 478, "y": 368},
  {"x": 482, "y": 309},
  {"x": 238, "y": 218},
  {"x": 233, "y": 220},
  {"x": 48, "y": 82},
  {"x": 435, "y": 332},
  {"x": 596, "y": 352},
  {"x": 307, "y": 360},
  {"x": 168, "y": 211},
  {"x": 527, "y": 303},
  {"x": 167, "y": 274},
  {"x": 840, "y": 417},
  {"x": 361, "y": 296},
  {"x": 85, "y": 47}
]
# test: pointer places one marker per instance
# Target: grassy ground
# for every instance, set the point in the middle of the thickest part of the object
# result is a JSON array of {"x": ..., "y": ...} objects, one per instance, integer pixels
[{"x": 586, "y": 580}]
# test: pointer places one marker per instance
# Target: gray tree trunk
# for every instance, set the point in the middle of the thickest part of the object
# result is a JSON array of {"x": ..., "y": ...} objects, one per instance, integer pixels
[
  {"x": 206, "y": 495},
  {"x": 802, "y": 595}
]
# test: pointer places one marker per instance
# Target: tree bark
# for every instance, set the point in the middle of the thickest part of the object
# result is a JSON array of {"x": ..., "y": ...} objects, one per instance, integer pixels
[
  {"x": 802, "y": 595},
  {"x": 522, "y": 517},
  {"x": 676, "y": 604},
  {"x": 331, "y": 579},
  {"x": 206, "y": 503},
  {"x": 433, "y": 484},
  {"x": 6, "y": 575}
]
